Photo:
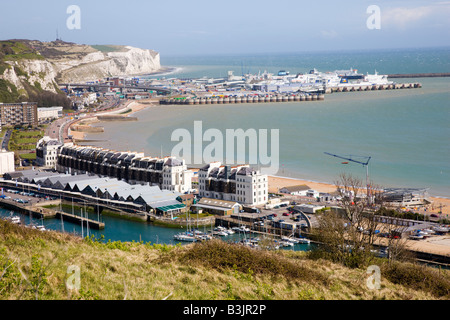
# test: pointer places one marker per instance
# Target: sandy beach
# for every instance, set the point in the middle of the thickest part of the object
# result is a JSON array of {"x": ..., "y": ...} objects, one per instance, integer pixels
[{"x": 90, "y": 119}]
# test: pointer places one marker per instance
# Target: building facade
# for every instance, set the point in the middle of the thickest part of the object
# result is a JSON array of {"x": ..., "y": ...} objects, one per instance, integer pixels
[
  {"x": 168, "y": 173},
  {"x": 49, "y": 113},
  {"x": 242, "y": 184},
  {"x": 6, "y": 162},
  {"x": 12, "y": 114},
  {"x": 47, "y": 150}
]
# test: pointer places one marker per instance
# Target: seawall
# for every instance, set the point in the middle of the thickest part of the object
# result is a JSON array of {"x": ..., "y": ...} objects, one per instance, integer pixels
[{"x": 419, "y": 75}]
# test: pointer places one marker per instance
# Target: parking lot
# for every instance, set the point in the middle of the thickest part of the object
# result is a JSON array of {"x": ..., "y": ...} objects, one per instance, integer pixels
[
  {"x": 276, "y": 216},
  {"x": 24, "y": 197}
]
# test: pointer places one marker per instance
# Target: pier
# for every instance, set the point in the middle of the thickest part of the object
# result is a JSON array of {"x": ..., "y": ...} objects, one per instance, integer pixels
[
  {"x": 45, "y": 213},
  {"x": 243, "y": 99},
  {"x": 78, "y": 219},
  {"x": 357, "y": 87},
  {"x": 420, "y": 75}
]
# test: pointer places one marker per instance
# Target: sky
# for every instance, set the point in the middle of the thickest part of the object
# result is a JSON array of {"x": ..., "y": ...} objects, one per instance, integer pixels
[{"x": 198, "y": 27}]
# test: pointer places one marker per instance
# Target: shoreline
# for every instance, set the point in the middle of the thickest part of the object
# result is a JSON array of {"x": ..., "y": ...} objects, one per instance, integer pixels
[{"x": 133, "y": 106}]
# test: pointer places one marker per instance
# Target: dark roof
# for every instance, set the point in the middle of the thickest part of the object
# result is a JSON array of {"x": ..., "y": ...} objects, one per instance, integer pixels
[
  {"x": 301, "y": 187},
  {"x": 245, "y": 171}
]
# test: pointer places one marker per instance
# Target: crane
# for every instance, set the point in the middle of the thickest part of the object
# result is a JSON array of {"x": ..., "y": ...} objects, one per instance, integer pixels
[{"x": 364, "y": 164}]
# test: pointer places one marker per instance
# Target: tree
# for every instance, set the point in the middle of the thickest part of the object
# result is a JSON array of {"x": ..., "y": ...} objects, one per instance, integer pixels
[{"x": 348, "y": 234}]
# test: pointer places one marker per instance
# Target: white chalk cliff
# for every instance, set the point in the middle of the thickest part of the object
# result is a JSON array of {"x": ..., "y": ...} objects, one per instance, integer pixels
[
  {"x": 62, "y": 62},
  {"x": 98, "y": 65}
]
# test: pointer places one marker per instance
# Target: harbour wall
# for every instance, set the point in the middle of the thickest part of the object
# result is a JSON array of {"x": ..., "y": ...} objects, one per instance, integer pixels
[
  {"x": 244, "y": 99},
  {"x": 420, "y": 75},
  {"x": 296, "y": 97},
  {"x": 356, "y": 87}
]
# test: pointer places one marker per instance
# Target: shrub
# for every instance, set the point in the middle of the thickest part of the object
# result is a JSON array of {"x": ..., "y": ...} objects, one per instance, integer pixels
[
  {"x": 220, "y": 255},
  {"x": 418, "y": 277}
]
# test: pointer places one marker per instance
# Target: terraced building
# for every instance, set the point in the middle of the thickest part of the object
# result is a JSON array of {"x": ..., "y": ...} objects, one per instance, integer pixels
[{"x": 168, "y": 173}]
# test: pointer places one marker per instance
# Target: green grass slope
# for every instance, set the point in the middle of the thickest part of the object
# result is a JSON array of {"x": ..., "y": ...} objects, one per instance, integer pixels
[{"x": 40, "y": 265}]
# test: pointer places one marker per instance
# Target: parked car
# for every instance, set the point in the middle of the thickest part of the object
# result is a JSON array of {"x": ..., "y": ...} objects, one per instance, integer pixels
[{"x": 285, "y": 214}]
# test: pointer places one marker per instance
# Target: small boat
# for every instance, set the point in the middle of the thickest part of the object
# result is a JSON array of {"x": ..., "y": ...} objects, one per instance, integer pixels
[
  {"x": 241, "y": 229},
  {"x": 15, "y": 220},
  {"x": 220, "y": 231},
  {"x": 184, "y": 237},
  {"x": 441, "y": 229},
  {"x": 304, "y": 241},
  {"x": 204, "y": 237}
]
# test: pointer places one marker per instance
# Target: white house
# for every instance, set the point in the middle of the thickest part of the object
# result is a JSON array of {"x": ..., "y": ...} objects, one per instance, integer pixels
[{"x": 47, "y": 152}]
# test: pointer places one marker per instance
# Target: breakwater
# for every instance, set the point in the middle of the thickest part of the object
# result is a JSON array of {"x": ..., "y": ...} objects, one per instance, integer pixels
[
  {"x": 358, "y": 87},
  {"x": 420, "y": 75},
  {"x": 244, "y": 99}
]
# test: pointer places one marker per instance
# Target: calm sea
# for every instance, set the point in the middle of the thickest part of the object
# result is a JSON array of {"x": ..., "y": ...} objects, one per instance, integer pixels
[{"x": 405, "y": 132}]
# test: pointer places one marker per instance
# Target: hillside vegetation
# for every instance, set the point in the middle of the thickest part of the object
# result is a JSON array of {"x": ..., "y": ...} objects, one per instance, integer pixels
[
  {"x": 25, "y": 75},
  {"x": 38, "y": 265}
]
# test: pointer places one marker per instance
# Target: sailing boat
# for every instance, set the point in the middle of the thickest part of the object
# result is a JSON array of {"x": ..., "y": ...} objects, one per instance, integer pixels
[{"x": 185, "y": 236}]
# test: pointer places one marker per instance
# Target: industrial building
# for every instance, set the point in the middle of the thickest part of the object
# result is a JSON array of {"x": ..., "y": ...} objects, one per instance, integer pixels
[
  {"x": 217, "y": 207},
  {"x": 93, "y": 189},
  {"x": 405, "y": 197}
]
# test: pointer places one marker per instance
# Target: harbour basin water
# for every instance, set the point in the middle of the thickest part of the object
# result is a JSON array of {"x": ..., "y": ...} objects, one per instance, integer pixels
[{"x": 118, "y": 229}]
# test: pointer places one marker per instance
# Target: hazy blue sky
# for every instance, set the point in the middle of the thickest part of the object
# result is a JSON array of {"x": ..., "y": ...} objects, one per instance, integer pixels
[{"x": 177, "y": 27}]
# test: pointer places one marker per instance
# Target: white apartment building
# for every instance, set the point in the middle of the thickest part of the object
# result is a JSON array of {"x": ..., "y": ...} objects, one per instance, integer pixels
[
  {"x": 6, "y": 161},
  {"x": 242, "y": 184},
  {"x": 168, "y": 173},
  {"x": 47, "y": 152},
  {"x": 175, "y": 175},
  {"x": 49, "y": 113}
]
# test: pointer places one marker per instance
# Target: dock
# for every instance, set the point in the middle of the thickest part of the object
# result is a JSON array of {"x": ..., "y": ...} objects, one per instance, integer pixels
[
  {"x": 78, "y": 219},
  {"x": 45, "y": 213}
]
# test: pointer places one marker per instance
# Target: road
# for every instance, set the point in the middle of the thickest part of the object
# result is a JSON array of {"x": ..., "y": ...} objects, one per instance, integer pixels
[
  {"x": 5, "y": 139},
  {"x": 59, "y": 129}
]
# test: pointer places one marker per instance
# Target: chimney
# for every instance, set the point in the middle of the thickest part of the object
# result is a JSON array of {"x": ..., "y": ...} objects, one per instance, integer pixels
[{"x": 227, "y": 171}]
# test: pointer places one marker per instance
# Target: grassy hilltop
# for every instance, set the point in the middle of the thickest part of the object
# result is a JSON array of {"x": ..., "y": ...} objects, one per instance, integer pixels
[{"x": 34, "y": 265}]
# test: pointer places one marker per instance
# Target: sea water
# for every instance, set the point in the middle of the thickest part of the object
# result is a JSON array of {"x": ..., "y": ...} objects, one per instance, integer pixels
[{"x": 405, "y": 132}]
